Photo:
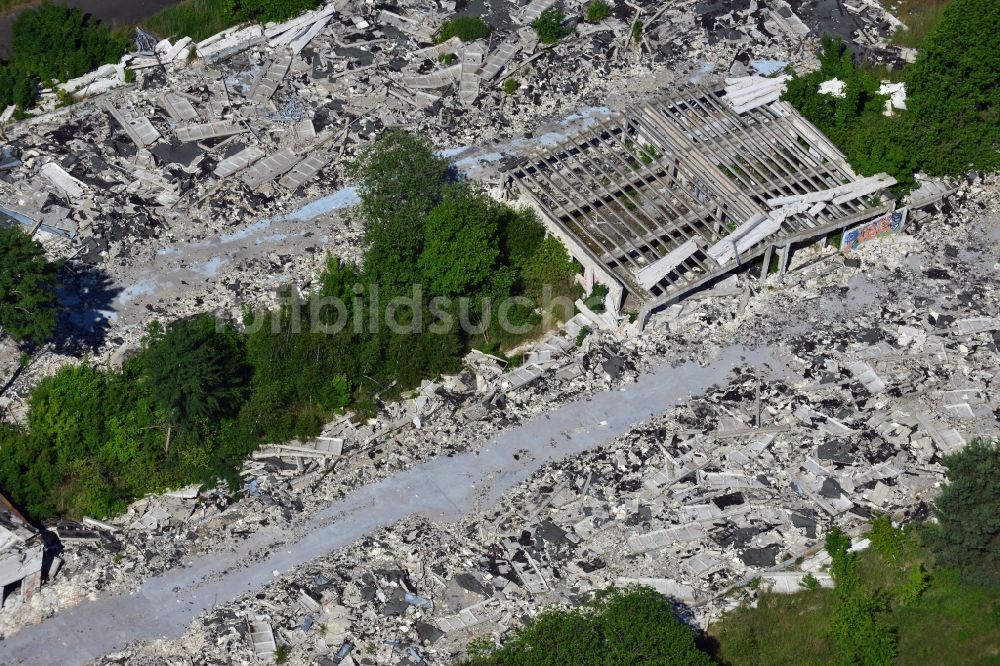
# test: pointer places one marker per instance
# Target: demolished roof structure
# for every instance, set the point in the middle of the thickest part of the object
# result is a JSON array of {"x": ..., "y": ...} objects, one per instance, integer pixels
[{"x": 667, "y": 197}]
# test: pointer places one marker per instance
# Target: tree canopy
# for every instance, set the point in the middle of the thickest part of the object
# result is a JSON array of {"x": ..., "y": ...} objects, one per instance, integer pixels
[
  {"x": 968, "y": 511},
  {"x": 29, "y": 306},
  {"x": 953, "y": 90},
  {"x": 54, "y": 42},
  {"x": 461, "y": 245},
  {"x": 400, "y": 180},
  {"x": 196, "y": 369}
]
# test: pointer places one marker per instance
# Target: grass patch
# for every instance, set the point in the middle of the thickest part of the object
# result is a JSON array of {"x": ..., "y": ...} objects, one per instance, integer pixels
[
  {"x": 197, "y": 19},
  {"x": 920, "y": 17},
  {"x": 948, "y": 622},
  {"x": 597, "y": 11}
]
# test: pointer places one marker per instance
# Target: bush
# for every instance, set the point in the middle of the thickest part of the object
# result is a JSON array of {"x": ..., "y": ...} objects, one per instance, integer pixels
[
  {"x": 636, "y": 625},
  {"x": 29, "y": 307},
  {"x": 549, "y": 26},
  {"x": 466, "y": 28},
  {"x": 597, "y": 11},
  {"x": 510, "y": 86}
]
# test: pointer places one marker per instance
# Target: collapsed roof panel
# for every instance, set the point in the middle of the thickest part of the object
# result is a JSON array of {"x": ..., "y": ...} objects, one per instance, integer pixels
[{"x": 687, "y": 187}]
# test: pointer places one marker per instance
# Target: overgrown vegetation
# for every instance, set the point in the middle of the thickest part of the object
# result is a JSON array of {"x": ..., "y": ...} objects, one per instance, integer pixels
[
  {"x": 952, "y": 121},
  {"x": 920, "y": 17},
  {"x": 549, "y": 26},
  {"x": 199, "y": 19},
  {"x": 466, "y": 28},
  {"x": 635, "y": 625},
  {"x": 912, "y": 598},
  {"x": 597, "y": 11},
  {"x": 201, "y": 395},
  {"x": 637, "y": 31},
  {"x": 29, "y": 306},
  {"x": 53, "y": 43}
]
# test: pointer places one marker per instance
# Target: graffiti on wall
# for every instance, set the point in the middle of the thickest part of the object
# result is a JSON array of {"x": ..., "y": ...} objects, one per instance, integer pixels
[{"x": 883, "y": 225}]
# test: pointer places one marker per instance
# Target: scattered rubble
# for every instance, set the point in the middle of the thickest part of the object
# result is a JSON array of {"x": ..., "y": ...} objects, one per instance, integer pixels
[
  {"x": 213, "y": 180},
  {"x": 849, "y": 418}
]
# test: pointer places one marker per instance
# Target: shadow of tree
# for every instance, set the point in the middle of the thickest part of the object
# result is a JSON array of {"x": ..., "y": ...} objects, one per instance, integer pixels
[{"x": 86, "y": 294}]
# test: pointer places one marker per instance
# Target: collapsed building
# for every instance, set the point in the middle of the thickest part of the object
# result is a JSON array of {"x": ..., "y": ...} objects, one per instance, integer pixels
[
  {"x": 21, "y": 553},
  {"x": 661, "y": 197},
  {"x": 664, "y": 199}
]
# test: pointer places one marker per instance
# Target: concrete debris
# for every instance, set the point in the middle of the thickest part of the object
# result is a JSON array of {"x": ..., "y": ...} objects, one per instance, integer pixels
[
  {"x": 22, "y": 552},
  {"x": 819, "y": 425},
  {"x": 748, "y": 92},
  {"x": 217, "y": 181}
]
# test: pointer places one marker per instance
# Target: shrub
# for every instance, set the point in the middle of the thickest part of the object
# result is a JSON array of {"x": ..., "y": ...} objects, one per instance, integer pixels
[
  {"x": 810, "y": 582},
  {"x": 597, "y": 11},
  {"x": 466, "y": 28},
  {"x": 636, "y": 31},
  {"x": 510, "y": 86},
  {"x": 636, "y": 625},
  {"x": 549, "y": 26}
]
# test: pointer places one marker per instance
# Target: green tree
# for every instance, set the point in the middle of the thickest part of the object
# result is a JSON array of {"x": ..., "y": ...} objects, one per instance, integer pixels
[
  {"x": 968, "y": 512},
  {"x": 399, "y": 180},
  {"x": 551, "y": 265},
  {"x": 520, "y": 235},
  {"x": 460, "y": 242},
  {"x": 56, "y": 42},
  {"x": 29, "y": 306},
  {"x": 635, "y": 625},
  {"x": 196, "y": 370},
  {"x": 953, "y": 91}
]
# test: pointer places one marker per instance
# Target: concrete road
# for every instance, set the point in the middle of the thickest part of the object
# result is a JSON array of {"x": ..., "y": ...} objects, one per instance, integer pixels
[{"x": 442, "y": 490}]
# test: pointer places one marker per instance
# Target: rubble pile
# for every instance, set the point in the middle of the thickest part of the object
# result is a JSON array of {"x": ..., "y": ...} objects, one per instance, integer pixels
[
  {"x": 839, "y": 414},
  {"x": 214, "y": 179}
]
